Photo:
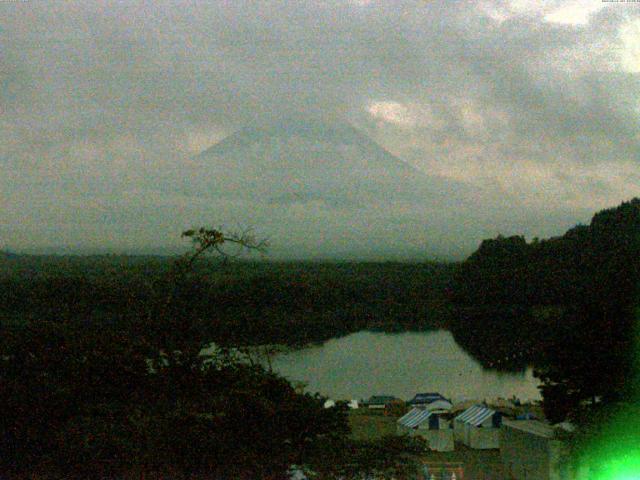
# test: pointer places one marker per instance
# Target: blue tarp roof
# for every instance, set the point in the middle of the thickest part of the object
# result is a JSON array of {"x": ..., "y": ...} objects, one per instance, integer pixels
[
  {"x": 526, "y": 416},
  {"x": 475, "y": 415},
  {"x": 414, "y": 418}
]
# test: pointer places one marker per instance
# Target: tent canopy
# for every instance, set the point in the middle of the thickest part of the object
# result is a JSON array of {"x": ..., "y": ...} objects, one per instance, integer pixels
[
  {"x": 414, "y": 418},
  {"x": 475, "y": 415}
]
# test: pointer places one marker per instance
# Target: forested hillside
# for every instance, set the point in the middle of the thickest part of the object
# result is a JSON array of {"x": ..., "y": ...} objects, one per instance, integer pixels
[
  {"x": 557, "y": 271},
  {"x": 565, "y": 304},
  {"x": 238, "y": 302},
  {"x": 103, "y": 375}
]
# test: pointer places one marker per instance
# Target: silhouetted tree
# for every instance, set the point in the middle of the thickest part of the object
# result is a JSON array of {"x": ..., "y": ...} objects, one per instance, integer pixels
[
  {"x": 588, "y": 279},
  {"x": 90, "y": 400}
]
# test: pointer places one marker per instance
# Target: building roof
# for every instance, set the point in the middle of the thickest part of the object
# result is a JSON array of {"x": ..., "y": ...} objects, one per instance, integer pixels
[
  {"x": 414, "y": 418},
  {"x": 381, "y": 399},
  {"x": 426, "y": 397},
  {"x": 475, "y": 415},
  {"x": 533, "y": 427},
  {"x": 444, "y": 405},
  {"x": 460, "y": 407}
]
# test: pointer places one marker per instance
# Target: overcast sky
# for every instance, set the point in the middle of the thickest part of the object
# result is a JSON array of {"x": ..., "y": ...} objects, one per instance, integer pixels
[{"x": 104, "y": 103}]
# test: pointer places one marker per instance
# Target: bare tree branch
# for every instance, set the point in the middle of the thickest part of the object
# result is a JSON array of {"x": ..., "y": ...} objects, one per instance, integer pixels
[{"x": 212, "y": 239}]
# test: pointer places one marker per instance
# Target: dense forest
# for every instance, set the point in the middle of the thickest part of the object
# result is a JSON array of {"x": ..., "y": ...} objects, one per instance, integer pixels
[
  {"x": 107, "y": 348},
  {"x": 566, "y": 305},
  {"x": 103, "y": 377},
  {"x": 523, "y": 294},
  {"x": 241, "y": 302}
]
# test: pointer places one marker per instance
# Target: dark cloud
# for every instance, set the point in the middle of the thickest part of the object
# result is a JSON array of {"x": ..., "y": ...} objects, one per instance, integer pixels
[{"x": 104, "y": 103}]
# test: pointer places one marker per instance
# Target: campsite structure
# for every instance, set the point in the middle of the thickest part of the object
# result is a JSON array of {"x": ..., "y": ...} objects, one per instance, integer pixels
[
  {"x": 380, "y": 401},
  {"x": 424, "y": 399},
  {"x": 530, "y": 449},
  {"x": 478, "y": 427},
  {"x": 440, "y": 406},
  {"x": 433, "y": 427}
]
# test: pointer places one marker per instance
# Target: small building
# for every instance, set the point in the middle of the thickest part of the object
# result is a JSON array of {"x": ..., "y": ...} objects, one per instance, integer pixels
[
  {"x": 439, "y": 406},
  {"x": 395, "y": 408},
  {"x": 530, "y": 450},
  {"x": 461, "y": 406},
  {"x": 424, "y": 399},
  {"x": 478, "y": 427},
  {"x": 380, "y": 401},
  {"x": 434, "y": 428}
]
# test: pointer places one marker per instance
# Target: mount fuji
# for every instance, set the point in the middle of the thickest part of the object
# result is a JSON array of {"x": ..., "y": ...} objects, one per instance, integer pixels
[{"x": 326, "y": 190}]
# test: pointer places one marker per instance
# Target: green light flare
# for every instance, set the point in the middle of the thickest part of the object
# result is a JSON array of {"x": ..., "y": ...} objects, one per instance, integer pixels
[
  {"x": 615, "y": 452},
  {"x": 624, "y": 468},
  {"x": 616, "y": 455}
]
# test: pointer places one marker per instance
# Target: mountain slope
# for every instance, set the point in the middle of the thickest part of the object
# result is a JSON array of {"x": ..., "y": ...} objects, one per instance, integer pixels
[
  {"x": 291, "y": 162},
  {"x": 321, "y": 190}
]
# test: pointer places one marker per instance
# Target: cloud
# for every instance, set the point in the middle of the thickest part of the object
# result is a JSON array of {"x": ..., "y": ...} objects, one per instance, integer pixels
[
  {"x": 630, "y": 51},
  {"x": 574, "y": 13},
  {"x": 533, "y": 101}
]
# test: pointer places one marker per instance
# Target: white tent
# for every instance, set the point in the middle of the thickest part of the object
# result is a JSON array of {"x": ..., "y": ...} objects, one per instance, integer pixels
[
  {"x": 478, "y": 427},
  {"x": 414, "y": 418},
  {"x": 531, "y": 449},
  {"x": 430, "y": 426}
]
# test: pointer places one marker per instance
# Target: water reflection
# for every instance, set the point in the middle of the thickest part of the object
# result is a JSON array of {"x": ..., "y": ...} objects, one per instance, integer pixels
[{"x": 366, "y": 363}]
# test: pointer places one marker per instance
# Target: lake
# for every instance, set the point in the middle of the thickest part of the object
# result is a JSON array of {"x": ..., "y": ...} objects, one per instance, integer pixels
[{"x": 368, "y": 363}]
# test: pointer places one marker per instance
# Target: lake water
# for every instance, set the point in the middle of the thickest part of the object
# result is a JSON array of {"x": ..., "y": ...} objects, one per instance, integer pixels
[{"x": 365, "y": 363}]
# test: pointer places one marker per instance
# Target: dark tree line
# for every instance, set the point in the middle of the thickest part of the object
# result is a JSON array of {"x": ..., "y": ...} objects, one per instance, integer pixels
[
  {"x": 242, "y": 302},
  {"x": 87, "y": 399},
  {"x": 132, "y": 395},
  {"x": 566, "y": 304}
]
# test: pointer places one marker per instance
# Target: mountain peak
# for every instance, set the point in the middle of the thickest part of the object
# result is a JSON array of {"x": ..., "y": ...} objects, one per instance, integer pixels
[
  {"x": 306, "y": 128},
  {"x": 293, "y": 176}
]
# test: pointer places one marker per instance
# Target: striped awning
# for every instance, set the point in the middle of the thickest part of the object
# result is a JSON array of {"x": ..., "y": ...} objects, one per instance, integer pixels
[
  {"x": 475, "y": 415},
  {"x": 414, "y": 418}
]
